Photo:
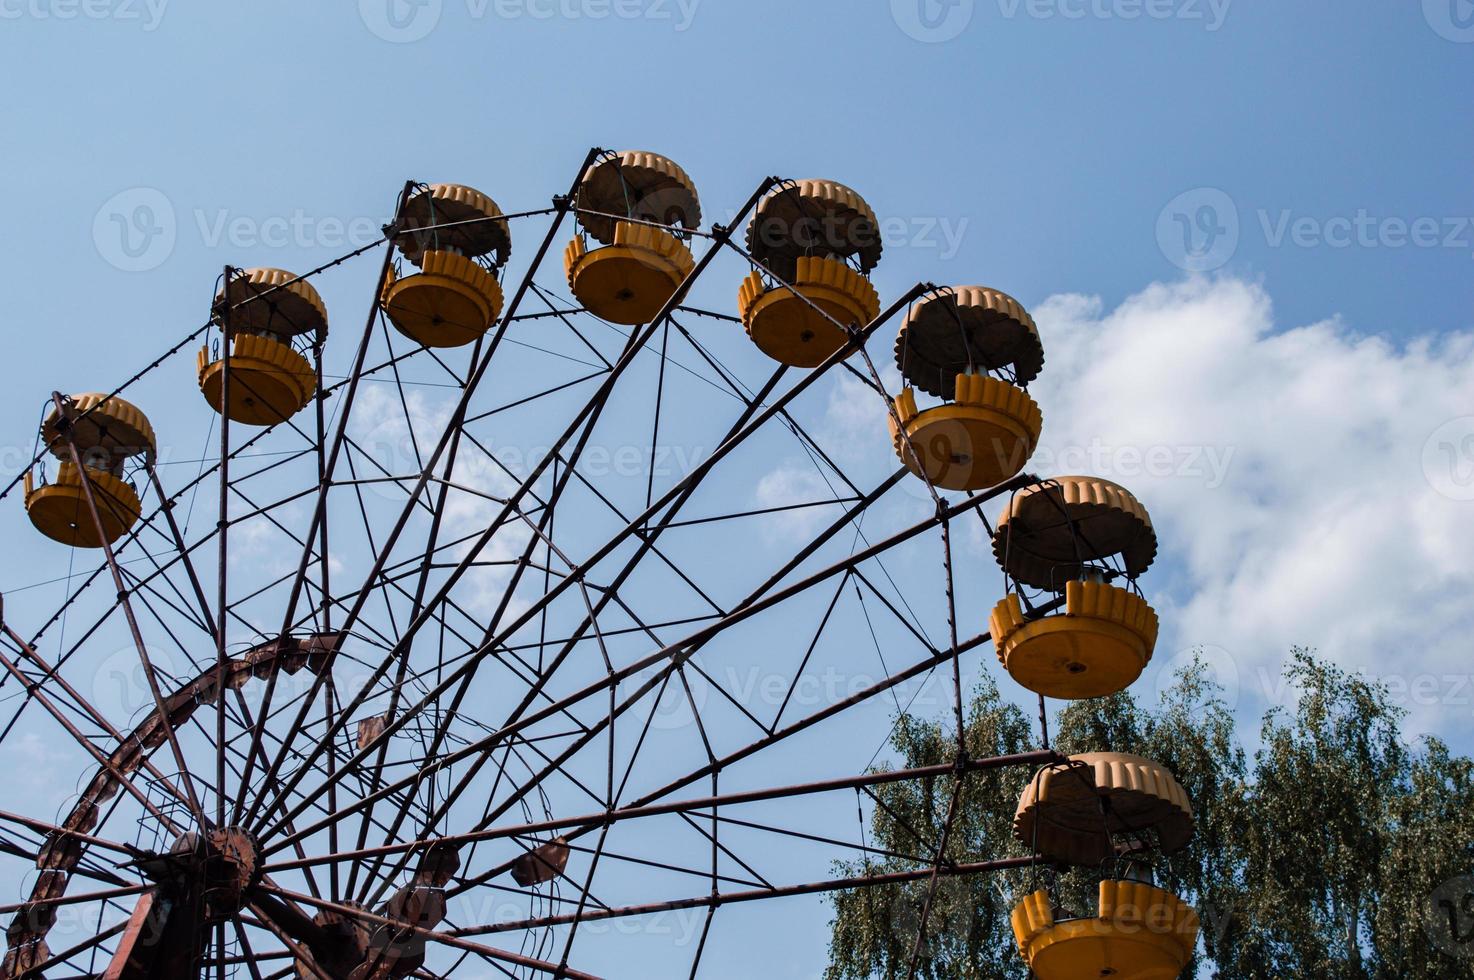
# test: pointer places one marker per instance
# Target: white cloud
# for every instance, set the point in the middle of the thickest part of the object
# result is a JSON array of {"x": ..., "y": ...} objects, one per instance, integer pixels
[
  {"x": 856, "y": 413},
  {"x": 398, "y": 437},
  {"x": 1311, "y": 485},
  {"x": 1285, "y": 468},
  {"x": 792, "y": 483},
  {"x": 37, "y": 764}
]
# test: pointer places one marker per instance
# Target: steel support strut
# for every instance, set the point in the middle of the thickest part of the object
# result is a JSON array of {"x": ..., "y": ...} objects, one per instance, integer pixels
[
  {"x": 692, "y": 805},
  {"x": 468, "y": 669},
  {"x": 123, "y": 599}
]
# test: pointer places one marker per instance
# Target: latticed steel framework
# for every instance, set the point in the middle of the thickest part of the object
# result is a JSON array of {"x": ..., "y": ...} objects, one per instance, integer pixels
[{"x": 405, "y": 703}]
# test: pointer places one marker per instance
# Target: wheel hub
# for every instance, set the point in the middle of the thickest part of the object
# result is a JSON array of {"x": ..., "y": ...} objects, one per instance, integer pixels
[{"x": 219, "y": 868}]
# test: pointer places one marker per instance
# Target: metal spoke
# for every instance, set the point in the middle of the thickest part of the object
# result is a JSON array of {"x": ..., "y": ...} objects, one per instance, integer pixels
[{"x": 432, "y": 669}]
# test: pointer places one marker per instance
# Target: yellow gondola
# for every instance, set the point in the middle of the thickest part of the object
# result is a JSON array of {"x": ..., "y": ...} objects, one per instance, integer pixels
[
  {"x": 59, "y": 508},
  {"x": 1060, "y": 536},
  {"x": 1051, "y": 531},
  {"x": 987, "y": 427},
  {"x": 977, "y": 441},
  {"x": 1072, "y": 812},
  {"x": 106, "y": 431},
  {"x": 1140, "y": 932},
  {"x": 798, "y": 326},
  {"x": 1099, "y": 645},
  {"x": 815, "y": 243},
  {"x": 270, "y": 381},
  {"x": 638, "y": 266},
  {"x": 449, "y": 303},
  {"x": 456, "y": 238}
]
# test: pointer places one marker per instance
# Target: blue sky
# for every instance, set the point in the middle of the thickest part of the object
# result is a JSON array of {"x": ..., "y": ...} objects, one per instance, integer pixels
[
  {"x": 1245, "y": 228},
  {"x": 1059, "y": 141}
]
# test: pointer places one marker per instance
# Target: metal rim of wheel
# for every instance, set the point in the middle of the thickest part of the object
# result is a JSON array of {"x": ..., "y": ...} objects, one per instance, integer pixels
[{"x": 399, "y": 705}]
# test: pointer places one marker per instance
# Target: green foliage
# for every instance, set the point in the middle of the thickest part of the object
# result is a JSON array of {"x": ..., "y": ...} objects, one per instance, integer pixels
[
  {"x": 1430, "y": 842},
  {"x": 875, "y": 929},
  {"x": 1338, "y": 853},
  {"x": 1191, "y": 732}
]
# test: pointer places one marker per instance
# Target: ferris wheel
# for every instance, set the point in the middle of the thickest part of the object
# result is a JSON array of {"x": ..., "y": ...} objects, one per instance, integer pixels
[{"x": 441, "y": 683}]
